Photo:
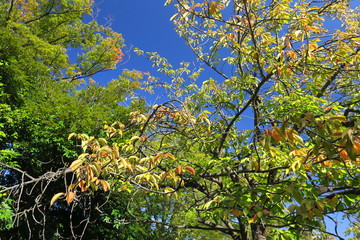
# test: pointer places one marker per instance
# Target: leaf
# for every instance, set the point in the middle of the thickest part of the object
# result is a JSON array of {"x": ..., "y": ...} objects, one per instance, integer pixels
[
  {"x": 235, "y": 212},
  {"x": 356, "y": 147},
  {"x": 82, "y": 156},
  {"x": 168, "y": 2},
  {"x": 276, "y": 136},
  {"x": 134, "y": 138},
  {"x": 208, "y": 204},
  {"x": 342, "y": 119},
  {"x": 82, "y": 185},
  {"x": 178, "y": 170},
  {"x": 75, "y": 164},
  {"x": 70, "y": 197},
  {"x": 169, "y": 155},
  {"x": 292, "y": 208},
  {"x": 102, "y": 141},
  {"x": 71, "y": 135},
  {"x": 190, "y": 169},
  {"x": 344, "y": 155},
  {"x": 298, "y": 139},
  {"x": 246, "y": 211},
  {"x": 56, "y": 197},
  {"x": 266, "y": 211},
  {"x": 212, "y": 8},
  {"x": 173, "y": 17},
  {"x": 105, "y": 185},
  {"x": 160, "y": 154},
  {"x": 252, "y": 220},
  {"x": 168, "y": 190}
]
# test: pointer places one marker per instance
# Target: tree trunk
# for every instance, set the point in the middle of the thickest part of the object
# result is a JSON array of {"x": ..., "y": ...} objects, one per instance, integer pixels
[{"x": 258, "y": 232}]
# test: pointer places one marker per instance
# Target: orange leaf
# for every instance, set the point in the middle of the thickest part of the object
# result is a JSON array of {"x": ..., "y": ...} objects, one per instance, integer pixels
[
  {"x": 343, "y": 119},
  {"x": 268, "y": 132},
  {"x": 70, "y": 197},
  {"x": 82, "y": 186},
  {"x": 328, "y": 163},
  {"x": 178, "y": 170},
  {"x": 213, "y": 8},
  {"x": 235, "y": 212},
  {"x": 266, "y": 211},
  {"x": 105, "y": 185},
  {"x": 71, "y": 186},
  {"x": 160, "y": 154},
  {"x": 276, "y": 136},
  {"x": 292, "y": 54},
  {"x": 288, "y": 44},
  {"x": 190, "y": 169},
  {"x": 290, "y": 71},
  {"x": 356, "y": 147},
  {"x": 344, "y": 155}
]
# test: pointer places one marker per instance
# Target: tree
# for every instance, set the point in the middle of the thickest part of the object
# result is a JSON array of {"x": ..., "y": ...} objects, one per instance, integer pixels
[
  {"x": 284, "y": 173},
  {"x": 43, "y": 98}
]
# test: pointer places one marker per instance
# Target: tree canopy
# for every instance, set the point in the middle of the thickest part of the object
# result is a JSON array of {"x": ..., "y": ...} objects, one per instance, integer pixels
[{"x": 266, "y": 148}]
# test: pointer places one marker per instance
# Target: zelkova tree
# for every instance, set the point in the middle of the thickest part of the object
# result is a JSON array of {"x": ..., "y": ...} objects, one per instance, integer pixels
[{"x": 268, "y": 148}]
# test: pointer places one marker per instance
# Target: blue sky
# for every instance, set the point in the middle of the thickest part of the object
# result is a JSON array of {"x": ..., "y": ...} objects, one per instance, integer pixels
[{"x": 144, "y": 24}]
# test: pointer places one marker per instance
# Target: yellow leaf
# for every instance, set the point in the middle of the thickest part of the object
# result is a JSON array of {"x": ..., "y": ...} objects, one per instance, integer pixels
[
  {"x": 75, "y": 164},
  {"x": 169, "y": 155},
  {"x": 168, "y": 2},
  {"x": 173, "y": 17},
  {"x": 134, "y": 138},
  {"x": 256, "y": 166},
  {"x": 71, "y": 135},
  {"x": 56, "y": 197}
]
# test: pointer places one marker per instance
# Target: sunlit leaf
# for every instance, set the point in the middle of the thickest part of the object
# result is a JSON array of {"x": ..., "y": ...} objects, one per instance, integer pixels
[{"x": 56, "y": 197}]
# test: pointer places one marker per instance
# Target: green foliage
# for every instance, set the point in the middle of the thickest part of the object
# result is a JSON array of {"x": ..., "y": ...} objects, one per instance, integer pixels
[
  {"x": 6, "y": 213},
  {"x": 43, "y": 98}
]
